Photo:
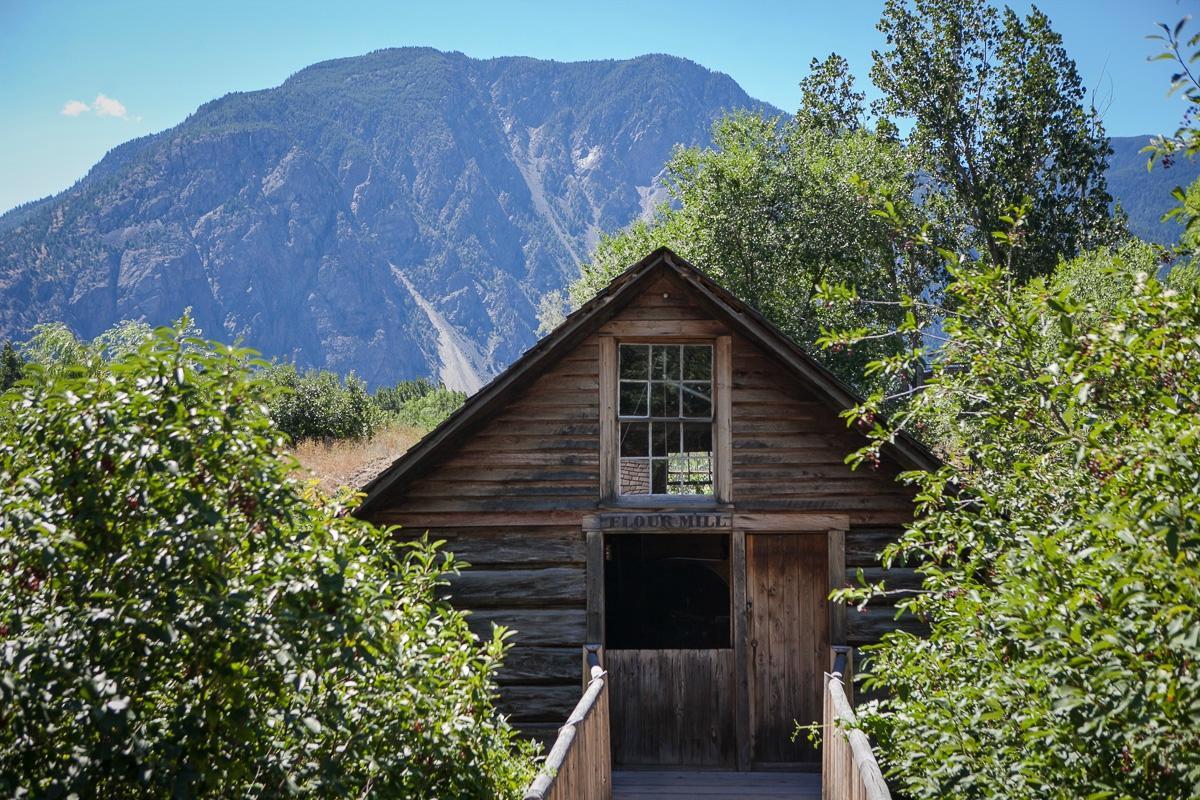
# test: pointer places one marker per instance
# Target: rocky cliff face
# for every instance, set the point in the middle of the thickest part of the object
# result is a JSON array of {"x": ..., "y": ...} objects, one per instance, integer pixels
[{"x": 396, "y": 214}]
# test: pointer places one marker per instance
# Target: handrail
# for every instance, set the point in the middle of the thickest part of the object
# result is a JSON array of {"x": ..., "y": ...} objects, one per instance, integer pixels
[
  {"x": 849, "y": 770},
  {"x": 579, "y": 765}
]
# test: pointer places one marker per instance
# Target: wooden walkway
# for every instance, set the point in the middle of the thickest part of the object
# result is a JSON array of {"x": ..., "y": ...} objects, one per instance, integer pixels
[{"x": 704, "y": 785}]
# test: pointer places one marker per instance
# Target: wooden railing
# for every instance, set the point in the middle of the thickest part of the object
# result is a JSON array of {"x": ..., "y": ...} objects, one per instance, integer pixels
[
  {"x": 579, "y": 766},
  {"x": 849, "y": 770}
]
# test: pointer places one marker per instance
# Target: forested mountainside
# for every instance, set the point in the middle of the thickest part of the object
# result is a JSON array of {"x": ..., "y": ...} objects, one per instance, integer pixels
[
  {"x": 1146, "y": 196},
  {"x": 396, "y": 214}
]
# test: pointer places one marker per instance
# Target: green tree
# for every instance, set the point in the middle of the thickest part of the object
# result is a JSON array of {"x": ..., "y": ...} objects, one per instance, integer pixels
[
  {"x": 998, "y": 116},
  {"x": 125, "y": 336},
  {"x": 318, "y": 404},
  {"x": 56, "y": 350},
  {"x": 393, "y": 398},
  {"x": 12, "y": 366},
  {"x": 180, "y": 617},
  {"x": 1060, "y": 545},
  {"x": 777, "y": 207},
  {"x": 430, "y": 410}
]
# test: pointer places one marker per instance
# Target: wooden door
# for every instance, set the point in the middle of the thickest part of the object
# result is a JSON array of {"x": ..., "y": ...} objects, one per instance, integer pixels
[
  {"x": 786, "y": 592},
  {"x": 672, "y": 708}
]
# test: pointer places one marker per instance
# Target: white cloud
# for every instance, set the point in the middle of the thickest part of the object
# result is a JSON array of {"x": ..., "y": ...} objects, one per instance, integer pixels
[{"x": 106, "y": 106}]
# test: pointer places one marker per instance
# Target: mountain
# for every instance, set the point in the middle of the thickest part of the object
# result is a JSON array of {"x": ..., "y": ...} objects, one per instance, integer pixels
[
  {"x": 1146, "y": 196},
  {"x": 396, "y": 214}
]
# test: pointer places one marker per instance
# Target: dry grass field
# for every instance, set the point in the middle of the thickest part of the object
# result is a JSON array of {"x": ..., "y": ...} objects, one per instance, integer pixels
[{"x": 353, "y": 463}]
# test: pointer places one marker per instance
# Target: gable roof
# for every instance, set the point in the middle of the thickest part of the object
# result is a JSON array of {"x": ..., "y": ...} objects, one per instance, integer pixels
[{"x": 740, "y": 317}]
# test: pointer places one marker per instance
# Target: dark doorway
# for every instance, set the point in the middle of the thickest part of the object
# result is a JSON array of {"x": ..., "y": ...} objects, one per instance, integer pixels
[{"x": 667, "y": 591}]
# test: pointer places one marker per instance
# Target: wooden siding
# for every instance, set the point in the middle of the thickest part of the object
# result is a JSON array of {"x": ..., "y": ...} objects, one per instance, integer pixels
[
  {"x": 789, "y": 449},
  {"x": 863, "y": 546},
  {"x": 509, "y": 500}
]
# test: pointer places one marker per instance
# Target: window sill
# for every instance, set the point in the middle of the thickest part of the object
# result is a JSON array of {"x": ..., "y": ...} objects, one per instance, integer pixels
[{"x": 654, "y": 502}]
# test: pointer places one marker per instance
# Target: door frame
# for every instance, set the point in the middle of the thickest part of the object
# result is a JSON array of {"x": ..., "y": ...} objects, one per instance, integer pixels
[{"x": 737, "y": 525}]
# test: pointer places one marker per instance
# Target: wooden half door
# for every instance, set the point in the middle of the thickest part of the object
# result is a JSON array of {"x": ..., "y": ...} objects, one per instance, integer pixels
[{"x": 787, "y": 587}]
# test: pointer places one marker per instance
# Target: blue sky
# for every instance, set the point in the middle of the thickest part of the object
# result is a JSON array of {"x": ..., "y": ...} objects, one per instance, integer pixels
[{"x": 138, "y": 67}]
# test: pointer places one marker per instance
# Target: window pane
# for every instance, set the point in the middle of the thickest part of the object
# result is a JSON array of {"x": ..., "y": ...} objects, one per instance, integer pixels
[
  {"x": 697, "y": 400},
  {"x": 697, "y": 362},
  {"x": 635, "y": 476},
  {"x": 634, "y": 399},
  {"x": 664, "y": 438},
  {"x": 690, "y": 474},
  {"x": 635, "y": 361},
  {"x": 664, "y": 399},
  {"x": 665, "y": 362},
  {"x": 634, "y": 439},
  {"x": 697, "y": 438},
  {"x": 658, "y": 476}
]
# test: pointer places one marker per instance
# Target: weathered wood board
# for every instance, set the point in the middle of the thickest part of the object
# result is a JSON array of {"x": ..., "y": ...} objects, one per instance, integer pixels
[
  {"x": 672, "y": 707},
  {"x": 786, "y": 582}
]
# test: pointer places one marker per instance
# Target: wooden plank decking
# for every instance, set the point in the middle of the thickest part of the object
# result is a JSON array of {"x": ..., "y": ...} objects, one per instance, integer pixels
[{"x": 711, "y": 785}]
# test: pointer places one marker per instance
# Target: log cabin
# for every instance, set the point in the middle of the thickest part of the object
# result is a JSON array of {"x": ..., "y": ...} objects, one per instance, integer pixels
[{"x": 663, "y": 475}]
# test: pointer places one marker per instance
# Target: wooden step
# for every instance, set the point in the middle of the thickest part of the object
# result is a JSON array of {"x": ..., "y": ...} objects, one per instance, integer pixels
[{"x": 714, "y": 785}]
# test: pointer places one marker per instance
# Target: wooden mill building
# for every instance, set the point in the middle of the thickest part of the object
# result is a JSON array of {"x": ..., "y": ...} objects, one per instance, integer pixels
[{"x": 663, "y": 475}]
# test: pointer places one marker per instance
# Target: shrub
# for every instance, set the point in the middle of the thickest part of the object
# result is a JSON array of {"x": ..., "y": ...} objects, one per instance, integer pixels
[
  {"x": 317, "y": 404},
  {"x": 431, "y": 410},
  {"x": 1060, "y": 549},
  {"x": 179, "y": 617},
  {"x": 393, "y": 398}
]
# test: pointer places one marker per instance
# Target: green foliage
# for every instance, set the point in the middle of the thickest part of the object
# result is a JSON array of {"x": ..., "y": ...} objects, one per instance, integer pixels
[
  {"x": 1060, "y": 546},
  {"x": 180, "y": 617},
  {"x": 12, "y": 366},
  {"x": 56, "y": 350},
  {"x": 998, "y": 116},
  {"x": 419, "y": 403},
  {"x": 393, "y": 398},
  {"x": 777, "y": 208},
  {"x": 126, "y": 337},
  {"x": 318, "y": 404},
  {"x": 430, "y": 410}
]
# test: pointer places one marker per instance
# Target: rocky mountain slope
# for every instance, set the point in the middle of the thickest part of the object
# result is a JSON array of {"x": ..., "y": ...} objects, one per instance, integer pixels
[{"x": 397, "y": 214}]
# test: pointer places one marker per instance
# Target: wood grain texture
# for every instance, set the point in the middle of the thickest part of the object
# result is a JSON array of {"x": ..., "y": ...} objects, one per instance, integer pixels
[
  {"x": 789, "y": 448},
  {"x": 722, "y": 424},
  {"x": 849, "y": 770},
  {"x": 672, "y": 707},
  {"x": 595, "y": 586},
  {"x": 787, "y": 577},
  {"x": 656, "y": 328},
  {"x": 837, "y": 580},
  {"x": 533, "y": 626},
  {"x": 741, "y": 650},
  {"x": 608, "y": 417},
  {"x": 492, "y": 547},
  {"x": 518, "y": 588}
]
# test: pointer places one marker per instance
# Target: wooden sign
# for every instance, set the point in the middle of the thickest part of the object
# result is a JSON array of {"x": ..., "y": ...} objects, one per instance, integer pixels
[{"x": 663, "y": 520}]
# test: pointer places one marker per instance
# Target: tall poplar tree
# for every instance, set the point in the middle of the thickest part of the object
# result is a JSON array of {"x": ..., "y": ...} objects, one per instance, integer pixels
[{"x": 999, "y": 117}]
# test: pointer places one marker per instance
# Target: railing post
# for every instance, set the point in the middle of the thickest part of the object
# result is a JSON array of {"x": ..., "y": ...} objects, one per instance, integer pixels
[
  {"x": 841, "y": 658},
  {"x": 849, "y": 770}
]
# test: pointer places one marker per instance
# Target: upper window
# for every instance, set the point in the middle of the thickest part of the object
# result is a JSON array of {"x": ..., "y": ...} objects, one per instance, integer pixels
[{"x": 665, "y": 409}]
